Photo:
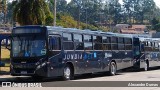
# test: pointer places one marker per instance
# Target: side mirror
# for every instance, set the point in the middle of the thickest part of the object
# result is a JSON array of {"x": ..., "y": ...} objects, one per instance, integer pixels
[{"x": 8, "y": 43}]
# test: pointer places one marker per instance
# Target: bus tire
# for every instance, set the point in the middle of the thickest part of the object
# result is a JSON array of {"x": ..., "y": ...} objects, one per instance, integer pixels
[
  {"x": 146, "y": 66},
  {"x": 112, "y": 69},
  {"x": 68, "y": 73}
]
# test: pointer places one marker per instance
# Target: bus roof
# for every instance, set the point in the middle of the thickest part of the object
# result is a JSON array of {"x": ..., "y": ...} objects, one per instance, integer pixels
[{"x": 86, "y": 31}]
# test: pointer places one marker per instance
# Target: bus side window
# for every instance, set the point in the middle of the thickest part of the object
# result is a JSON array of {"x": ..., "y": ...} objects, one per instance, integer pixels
[
  {"x": 78, "y": 42},
  {"x": 114, "y": 43},
  {"x": 68, "y": 41},
  {"x": 128, "y": 43},
  {"x": 54, "y": 43}
]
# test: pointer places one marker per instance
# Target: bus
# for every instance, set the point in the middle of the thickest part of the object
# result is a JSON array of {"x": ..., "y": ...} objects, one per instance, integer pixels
[
  {"x": 149, "y": 53},
  {"x": 46, "y": 51}
]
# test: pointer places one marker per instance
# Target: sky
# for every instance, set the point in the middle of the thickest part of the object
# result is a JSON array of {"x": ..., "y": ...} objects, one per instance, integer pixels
[{"x": 157, "y": 3}]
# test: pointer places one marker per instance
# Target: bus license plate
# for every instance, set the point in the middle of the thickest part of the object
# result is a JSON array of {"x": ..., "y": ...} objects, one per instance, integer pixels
[{"x": 23, "y": 72}]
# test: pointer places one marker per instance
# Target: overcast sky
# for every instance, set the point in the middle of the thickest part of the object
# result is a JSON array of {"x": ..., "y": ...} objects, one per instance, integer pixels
[{"x": 157, "y": 2}]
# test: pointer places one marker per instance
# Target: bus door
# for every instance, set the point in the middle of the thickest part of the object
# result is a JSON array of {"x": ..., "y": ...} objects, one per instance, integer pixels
[
  {"x": 91, "y": 59},
  {"x": 127, "y": 61},
  {"x": 54, "y": 53},
  {"x": 93, "y": 49},
  {"x": 137, "y": 50}
]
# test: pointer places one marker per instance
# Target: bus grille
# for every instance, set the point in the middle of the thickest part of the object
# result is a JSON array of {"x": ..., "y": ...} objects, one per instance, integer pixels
[
  {"x": 30, "y": 60},
  {"x": 29, "y": 71},
  {"x": 24, "y": 66}
]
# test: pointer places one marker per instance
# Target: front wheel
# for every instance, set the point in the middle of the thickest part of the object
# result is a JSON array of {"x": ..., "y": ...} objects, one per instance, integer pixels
[
  {"x": 67, "y": 73},
  {"x": 112, "y": 69}
]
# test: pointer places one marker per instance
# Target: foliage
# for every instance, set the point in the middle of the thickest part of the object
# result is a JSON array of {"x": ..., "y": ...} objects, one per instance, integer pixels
[
  {"x": 84, "y": 14},
  {"x": 67, "y": 21},
  {"x": 35, "y": 12},
  {"x": 157, "y": 27}
]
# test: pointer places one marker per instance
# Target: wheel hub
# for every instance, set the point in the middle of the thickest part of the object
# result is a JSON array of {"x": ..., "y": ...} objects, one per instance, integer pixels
[{"x": 67, "y": 72}]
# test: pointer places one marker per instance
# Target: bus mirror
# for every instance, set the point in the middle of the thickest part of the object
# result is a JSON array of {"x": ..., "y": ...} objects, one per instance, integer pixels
[
  {"x": 8, "y": 43},
  {"x": 8, "y": 47}
]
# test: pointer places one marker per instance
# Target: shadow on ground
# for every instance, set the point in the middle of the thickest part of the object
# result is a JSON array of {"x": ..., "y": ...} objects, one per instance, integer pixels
[
  {"x": 59, "y": 79},
  {"x": 79, "y": 77}
]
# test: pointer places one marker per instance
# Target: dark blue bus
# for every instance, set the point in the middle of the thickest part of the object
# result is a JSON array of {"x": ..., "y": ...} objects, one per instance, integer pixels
[
  {"x": 148, "y": 53},
  {"x": 55, "y": 51}
]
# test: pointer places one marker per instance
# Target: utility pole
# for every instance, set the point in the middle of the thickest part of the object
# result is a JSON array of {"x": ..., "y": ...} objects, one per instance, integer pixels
[{"x": 55, "y": 12}]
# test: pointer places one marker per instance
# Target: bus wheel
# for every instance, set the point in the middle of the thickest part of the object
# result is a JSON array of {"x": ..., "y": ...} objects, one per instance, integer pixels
[
  {"x": 146, "y": 66},
  {"x": 112, "y": 69},
  {"x": 67, "y": 73}
]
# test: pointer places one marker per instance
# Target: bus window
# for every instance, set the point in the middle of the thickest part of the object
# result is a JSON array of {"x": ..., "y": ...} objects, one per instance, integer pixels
[
  {"x": 128, "y": 41},
  {"x": 108, "y": 39},
  {"x": 106, "y": 46},
  {"x": 146, "y": 43},
  {"x": 156, "y": 47},
  {"x": 149, "y": 44},
  {"x": 67, "y": 41},
  {"x": 121, "y": 44},
  {"x": 98, "y": 46},
  {"x": 77, "y": 38},
  {"x": 97, "y": 43},
  {"x": 114, "y": 39},
  {"x": 121, "y": 41},
  {"x": 67, "y": 37},
  {"x": 88, "y": 46},
  {"x": 114, "y": 46},
  {"x": 87, "y": 38},
  {"x": 128, "y": 47},
  {"x": 97, "y": 39},
  {"x": 79, "y": 46},
  {"x": 121, "y": 47},
  {"x": 68, "y": 46},
  {"x": 104, "y": 39},
  {"x": 78, "y": 42},
  {"x": 54, "y": 43}
]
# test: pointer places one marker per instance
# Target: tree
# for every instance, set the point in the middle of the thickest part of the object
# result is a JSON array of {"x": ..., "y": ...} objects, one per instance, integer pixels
[
  {"x": 3, "y": 9},
  {"x": 155, "y": 24},
  {"x": 139, "y": 9},
  {"x": 157, "y": 27},
  {"x": 31, "y": 12}
]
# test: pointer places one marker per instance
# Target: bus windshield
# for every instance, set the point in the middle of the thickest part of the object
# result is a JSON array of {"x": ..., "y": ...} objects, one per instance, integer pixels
[{"x": 28, "y": 46}]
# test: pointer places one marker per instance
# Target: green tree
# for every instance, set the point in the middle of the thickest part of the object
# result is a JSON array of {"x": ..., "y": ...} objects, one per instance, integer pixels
[
  {"x": 157, "y": 27},
  {"x": 31, "y": 12},
  {"x": 139, "y": 10},
  {"x": 114, "y": 11},
  {"x": 155, "y": 24}
]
